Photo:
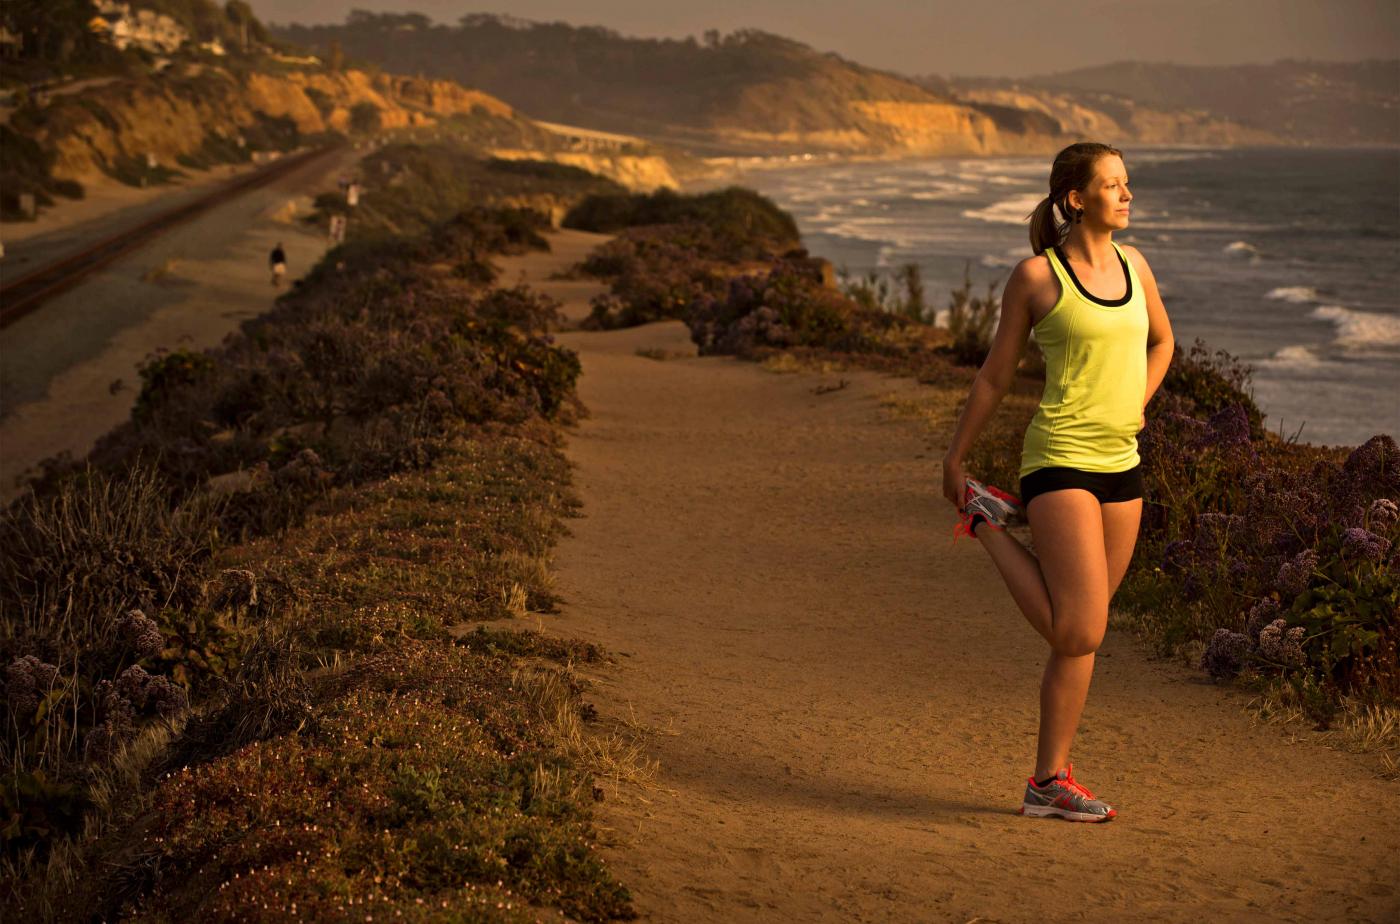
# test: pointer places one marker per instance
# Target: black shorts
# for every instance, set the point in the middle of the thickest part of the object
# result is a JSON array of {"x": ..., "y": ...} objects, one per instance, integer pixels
[{"x": 1108, "y": 487}]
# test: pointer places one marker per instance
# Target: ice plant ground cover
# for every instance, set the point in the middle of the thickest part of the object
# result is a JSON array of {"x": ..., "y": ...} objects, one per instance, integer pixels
[
  {"x": 238, "y": 669},
  {"x": 1268, "y": 562}
]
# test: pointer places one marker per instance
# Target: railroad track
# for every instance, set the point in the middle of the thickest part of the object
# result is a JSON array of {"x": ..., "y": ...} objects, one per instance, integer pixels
[{"x": 28, "y": 292}]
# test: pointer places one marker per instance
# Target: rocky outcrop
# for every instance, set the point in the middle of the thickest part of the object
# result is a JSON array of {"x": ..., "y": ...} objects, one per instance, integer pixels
[
  {"x": 641, "y": 172},
  {"x": 177, "y": 116},
  {"x": 1120, "y": 120}
]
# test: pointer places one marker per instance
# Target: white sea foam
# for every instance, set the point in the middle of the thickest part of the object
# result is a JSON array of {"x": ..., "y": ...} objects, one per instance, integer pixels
[
  {"x": 999, "y": 166},
  {"x": 1008, "y": 211},
  {"x": 942, "y": 189},
  {"x": 1293, "y": 294},
  {"x": 995, "y": 179},
  {"x": 1162, "y": 157},
  {"x": 1296, "y": 356},
  {"x": 1149, "y": 222},
  {"x": 1361, "y": 330}
]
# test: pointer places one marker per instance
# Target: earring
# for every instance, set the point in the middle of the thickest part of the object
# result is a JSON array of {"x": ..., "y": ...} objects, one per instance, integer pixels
[{"x": 1078, "y": 216}]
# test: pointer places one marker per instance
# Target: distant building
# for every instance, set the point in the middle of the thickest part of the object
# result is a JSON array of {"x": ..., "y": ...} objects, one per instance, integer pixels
[
  {"x": 146, "y": 29},
  {"x": 10, "y": 44}
]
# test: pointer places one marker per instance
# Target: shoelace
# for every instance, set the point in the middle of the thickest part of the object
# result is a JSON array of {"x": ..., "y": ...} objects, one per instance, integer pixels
[{"x": 1074, "y": 784}]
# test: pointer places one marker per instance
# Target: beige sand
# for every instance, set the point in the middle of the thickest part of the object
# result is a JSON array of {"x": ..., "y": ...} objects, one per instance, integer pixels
[{"x": 847, "y": 704}]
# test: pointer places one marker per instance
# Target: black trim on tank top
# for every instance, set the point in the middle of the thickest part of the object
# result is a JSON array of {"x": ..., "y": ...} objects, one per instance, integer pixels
[{"x": 1064, "y": 261}]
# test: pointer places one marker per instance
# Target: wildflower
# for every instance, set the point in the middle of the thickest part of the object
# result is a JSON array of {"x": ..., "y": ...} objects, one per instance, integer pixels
[
  {"x": 1225, "y": 654},
  {"x": 1295, "y": 574},
  {"x": 1376, "y": 461},
  {"x": 1213, "y": 530},
  {"x": 1260, "y": 615},
  {"x": 1230, "y": 426},
  {"x": 27, "y": 681},
  {"x": 1177, "y": 555},
  {"x": 1383, "y": 513},
  {"x": 1279, "y": 643},
  {"x": 165, "y": 697},
  {"x": 141, "y": 633},
  {"x": 131, "y": 685},
  {"x": 236, "y": 587},
  {"x": 1367, "y": 546}
]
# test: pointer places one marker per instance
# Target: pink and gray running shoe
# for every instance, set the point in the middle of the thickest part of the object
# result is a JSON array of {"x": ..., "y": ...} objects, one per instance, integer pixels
[
  {"x": 1063, "y": 796},
  {"x": 987, "y": 504}
]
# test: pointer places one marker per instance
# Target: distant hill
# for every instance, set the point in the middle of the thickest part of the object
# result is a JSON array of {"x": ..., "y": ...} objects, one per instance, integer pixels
[
  {"x": 745, "y": 91},
  {"x": 1301, "y": 102},
  {"x": 754, "y": 92}
]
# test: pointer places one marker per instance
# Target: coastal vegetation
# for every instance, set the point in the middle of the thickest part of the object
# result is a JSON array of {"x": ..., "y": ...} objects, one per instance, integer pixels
[
  {"x": 242, "y": 640},
  {"x": 412, "y": 186},
  {"x": 1268, "y": 562}
]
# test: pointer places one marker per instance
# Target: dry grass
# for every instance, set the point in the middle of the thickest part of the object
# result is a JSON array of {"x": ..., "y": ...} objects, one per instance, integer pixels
[
  {"x": 615, "y": 752},
  {"x": 1370, "y": 729}
]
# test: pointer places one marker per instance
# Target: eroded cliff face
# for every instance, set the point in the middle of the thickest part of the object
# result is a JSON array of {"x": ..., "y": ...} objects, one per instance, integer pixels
[
  {"x": 1117, "y": 120},
  {"x": 639, "y": 172},
  {"x": 175, "y": 117},
  {"x": 895, "y": 128}
]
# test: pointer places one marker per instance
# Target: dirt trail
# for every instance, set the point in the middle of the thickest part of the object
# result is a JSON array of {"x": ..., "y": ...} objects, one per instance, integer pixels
[{"x": 848, "y": 703}]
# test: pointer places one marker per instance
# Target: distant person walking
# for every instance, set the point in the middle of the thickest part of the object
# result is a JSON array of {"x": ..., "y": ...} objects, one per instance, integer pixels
[
  {"x": 1098, "y": 318},
  {"x": 278, "y": 261}
]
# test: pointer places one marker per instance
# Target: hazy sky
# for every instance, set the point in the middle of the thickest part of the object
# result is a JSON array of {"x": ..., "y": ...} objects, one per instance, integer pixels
[{"x": 1009, "y": 38}]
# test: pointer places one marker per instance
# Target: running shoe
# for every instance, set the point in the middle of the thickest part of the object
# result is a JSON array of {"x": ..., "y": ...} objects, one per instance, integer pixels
[
  {"x": 987, "y": 504},
  {"x": 1065, "y": 797}
]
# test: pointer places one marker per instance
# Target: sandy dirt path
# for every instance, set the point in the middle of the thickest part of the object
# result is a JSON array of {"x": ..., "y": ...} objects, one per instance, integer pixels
[{"x": 846, "y": 704}]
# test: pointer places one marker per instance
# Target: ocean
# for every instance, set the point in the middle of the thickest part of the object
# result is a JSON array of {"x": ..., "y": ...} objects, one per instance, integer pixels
[{"x": 1288, "y": 259}]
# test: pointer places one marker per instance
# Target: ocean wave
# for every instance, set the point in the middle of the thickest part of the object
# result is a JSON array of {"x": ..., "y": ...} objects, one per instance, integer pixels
[
  {"x": 996, "y": 179},
  {"x": 1008, "y": 211},
  {"x": 942, "y": 189},
  {"x": 1296, "y": 356},
  {"x": 1148, "y": 222},
  {"x": 1162, "y": 157},
  {"x": 1293, "y": 294},
  {"x": 1022, "y": 168},
  {"x": 1361, "y": 330},
  {"x": 1242, "y": 249}
]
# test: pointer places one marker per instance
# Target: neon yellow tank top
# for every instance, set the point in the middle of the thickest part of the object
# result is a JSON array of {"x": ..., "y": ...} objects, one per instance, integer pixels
[{"x": 1095, "y": 376}]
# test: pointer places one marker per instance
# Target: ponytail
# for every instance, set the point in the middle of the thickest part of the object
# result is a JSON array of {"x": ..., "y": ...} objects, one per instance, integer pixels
[
  {"x": 1044, "y": 233},
  {"x": 1072, "y": 170}
]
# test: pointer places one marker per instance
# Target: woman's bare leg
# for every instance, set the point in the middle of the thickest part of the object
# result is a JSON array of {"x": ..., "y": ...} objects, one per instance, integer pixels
[
  {"x": 1068, "y": 528},
  {"x": 1021, "y": 571},
  {"x": 1065, "y": 685}
]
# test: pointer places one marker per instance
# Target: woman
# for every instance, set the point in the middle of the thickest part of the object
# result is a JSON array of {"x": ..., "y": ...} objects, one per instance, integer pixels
[{"x": 1098, "y": 318}]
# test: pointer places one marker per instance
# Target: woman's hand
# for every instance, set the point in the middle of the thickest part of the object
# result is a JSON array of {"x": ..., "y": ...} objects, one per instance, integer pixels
[{"x": 954, "y": 484}]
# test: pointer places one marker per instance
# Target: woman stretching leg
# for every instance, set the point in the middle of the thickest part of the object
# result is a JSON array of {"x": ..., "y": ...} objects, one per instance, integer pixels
[{"x": 1080, "y": 471}]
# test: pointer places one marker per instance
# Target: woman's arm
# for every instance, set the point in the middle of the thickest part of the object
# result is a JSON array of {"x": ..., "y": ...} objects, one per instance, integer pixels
[
  {"x": 1160, "y": 342},
  {"x": 994, "y": 378}
]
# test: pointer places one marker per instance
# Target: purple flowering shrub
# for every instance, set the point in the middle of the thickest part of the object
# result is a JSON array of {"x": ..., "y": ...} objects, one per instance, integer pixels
[
  {"x": 783, "y": 307},
  {"x": 1238, "y": 526},
  {"x": 656, "y": 272}
]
